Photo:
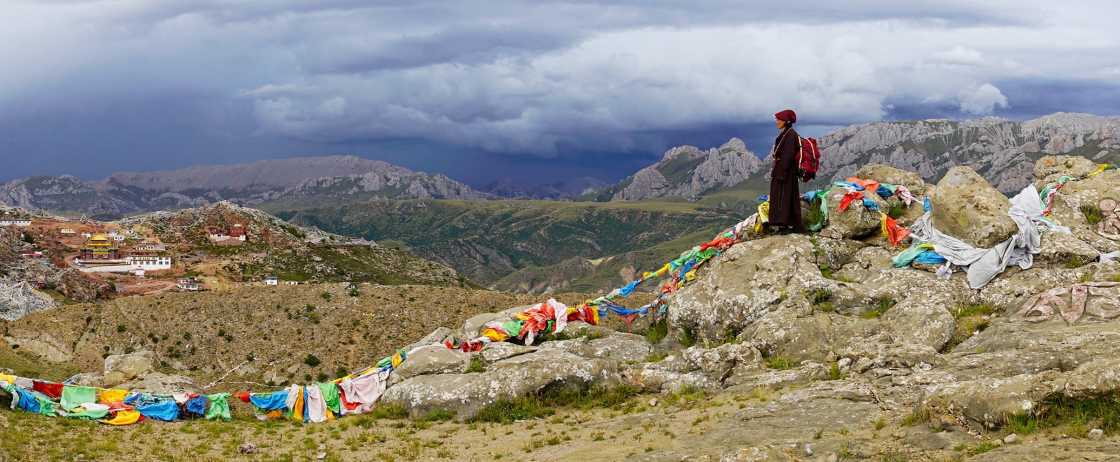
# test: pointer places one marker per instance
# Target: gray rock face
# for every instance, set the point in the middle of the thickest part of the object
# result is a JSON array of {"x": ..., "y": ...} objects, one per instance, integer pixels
[
  {"x": 888, "y": 174},
  {"x": 520, "y": 375},
  {"x": 159, "y": 383},
  {"x": 622, "y": 347},
  {"x": 747, "y": 282},
  {"x": 431, "y": 359},
  {"x": 922, "y": 320},
  {"x": 967, "y": 207},
  {"x": 125, "y": 367},
  {"x": 41, "y": 344},
  {"x": 689, "y": 172},
  {"x": 1001, "y": 150}
]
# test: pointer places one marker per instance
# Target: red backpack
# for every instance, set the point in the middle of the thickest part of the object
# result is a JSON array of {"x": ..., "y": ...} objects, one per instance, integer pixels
[{"x": 808, "y": 158}]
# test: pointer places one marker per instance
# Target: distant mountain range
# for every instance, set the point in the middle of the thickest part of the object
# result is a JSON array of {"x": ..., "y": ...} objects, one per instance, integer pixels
[
  {"x": 319, "y": 178},
  {"x": 1001, "y": 150}
]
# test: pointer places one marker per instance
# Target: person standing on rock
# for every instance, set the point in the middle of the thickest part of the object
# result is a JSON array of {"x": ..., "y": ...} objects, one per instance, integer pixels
[{"x": 785, "y": 199}]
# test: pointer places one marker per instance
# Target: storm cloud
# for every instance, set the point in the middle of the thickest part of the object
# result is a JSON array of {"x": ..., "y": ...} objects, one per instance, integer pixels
[{"x": 596, "y": 86}]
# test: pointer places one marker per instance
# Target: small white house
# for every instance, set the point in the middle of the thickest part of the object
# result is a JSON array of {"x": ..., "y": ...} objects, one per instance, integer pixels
[
  {"x": 150, "y": 262},
  {"x": 271, "y": 281},
  {"x": 87, "y": 235},
  {"x": 116, "y": 237},
  {"x": 139, "y": 272},
  {"x": 66, "y": 231},
  {"x": 20, "y": 222}
]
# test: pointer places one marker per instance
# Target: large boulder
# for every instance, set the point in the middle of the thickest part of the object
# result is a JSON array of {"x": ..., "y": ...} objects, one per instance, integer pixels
[
  {"x": 1087, "y": 193},
  {"x": 619, "y": 346},
  {"x": 1049, "y": 169},
  {"x": 856, "y": 221},
  {"x": 1064, "y": 249},
  {"x": 125, "y": 367},
  {"x": 522, "y": 375},
  {"x": 799, "y": 336},
  {"x": 967, "y": 207},
  {"x": 159, "y": 383},
  {"x": 745, "y": 283},
  {"x": 431, "y": 359},
  {"x": 728, "y": 364},
  {"x": 887, "y": 174}
]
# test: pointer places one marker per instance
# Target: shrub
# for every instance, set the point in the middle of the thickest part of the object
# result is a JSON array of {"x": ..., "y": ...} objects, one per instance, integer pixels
[
  {"x": 779, "y": 362},
  {"x": 970, "y": 319},
  {"x": 657, "y": 331},
  {"x": 687, "y": 337},
  {"x": 438, "y": 415},
  {"x": 1092, "y": 214},
  {"x": 510, "y": 410},
  {"x": 388, "y": 411},
  {"x": 477, "y": 364},
  {"x": 311, "y": 360}
]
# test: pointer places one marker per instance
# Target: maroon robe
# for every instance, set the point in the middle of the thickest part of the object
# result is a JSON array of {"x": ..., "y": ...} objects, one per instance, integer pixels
[{"x": 785, "y": 200}]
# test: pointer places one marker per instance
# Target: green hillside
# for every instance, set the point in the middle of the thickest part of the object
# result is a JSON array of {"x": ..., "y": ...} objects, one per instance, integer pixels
[{"x": 488, "y": 240}]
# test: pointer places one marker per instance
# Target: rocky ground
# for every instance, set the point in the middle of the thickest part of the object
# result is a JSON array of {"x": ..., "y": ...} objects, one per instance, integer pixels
[{"x": 785, "y": 347}]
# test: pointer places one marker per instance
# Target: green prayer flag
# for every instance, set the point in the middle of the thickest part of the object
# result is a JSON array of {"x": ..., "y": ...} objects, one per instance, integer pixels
[
  {"x": 330, "y": 396},
  {"x": 219, "y": 406},
  {"x": 74, "y": 396}
]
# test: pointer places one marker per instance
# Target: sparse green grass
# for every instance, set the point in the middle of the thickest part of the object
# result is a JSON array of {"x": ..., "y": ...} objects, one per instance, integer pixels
[
  {"x": 1074, "y": 416},
  {"x": 970, "y": 319},
  {"x": 543, "y": 404},
  {"x": 657, "y": 331},
  {"x": 686, "y": 336},
  {"x": 920, "y": 415},
  {"x": 438, "y": 415},
  {"x": 882, "y": 304},
  {"x": 834, "y": 372},
  {"x": 389, "y": 411},
  {"x": 779, "y": 362},
  {"x": 1092, "y": 214},
  {"x": 477, "y": 364},
  {"x": 979, "y": 448},
  {"x": 1076, "y": 261},
  {"x": 656, "y": 356},
  {"x": 821, "y": 299}
]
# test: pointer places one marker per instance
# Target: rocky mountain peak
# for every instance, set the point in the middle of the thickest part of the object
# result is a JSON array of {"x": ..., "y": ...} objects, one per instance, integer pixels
[{"x": 689, "y": 172}]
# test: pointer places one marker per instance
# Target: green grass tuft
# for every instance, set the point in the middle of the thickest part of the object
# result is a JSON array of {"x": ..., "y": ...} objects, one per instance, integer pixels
[
  {"x": 1075, "y": 416},
  {"x": 477, "y": 364},
  {"x": 779, "y": 362},
  {"x": 657, "y": 331},
  {"x": 389, "y": 411},
  {"x": 882, "y": 304},
  {"x": 1092, "y": 214},
  {"x": 920, "y": 415}
]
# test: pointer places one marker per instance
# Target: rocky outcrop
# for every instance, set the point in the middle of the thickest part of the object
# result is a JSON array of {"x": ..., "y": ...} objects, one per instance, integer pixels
[
  {"x": 521, "y": 375},
  {"x": 1000, "y": 150},
  {"x": 125, "y": 367},
  {"x": 967, "y": 207},
  {"x": 689, "y": 172}
]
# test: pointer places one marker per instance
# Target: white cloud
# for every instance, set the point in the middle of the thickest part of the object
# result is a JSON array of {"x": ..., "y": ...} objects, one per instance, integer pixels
[{"x": 982, "y": 100}]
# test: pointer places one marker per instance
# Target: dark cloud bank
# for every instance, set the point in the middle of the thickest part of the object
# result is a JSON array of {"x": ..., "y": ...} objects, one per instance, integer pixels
[{"x": 484, "y": 90}]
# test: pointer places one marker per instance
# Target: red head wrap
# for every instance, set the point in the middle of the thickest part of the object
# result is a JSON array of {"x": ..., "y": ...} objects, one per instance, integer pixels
[{"x": 786, "y": 115}]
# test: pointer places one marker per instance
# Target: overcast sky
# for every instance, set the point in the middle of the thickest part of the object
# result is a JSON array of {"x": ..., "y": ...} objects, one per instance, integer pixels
[{"x": 535, "y": 90}]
